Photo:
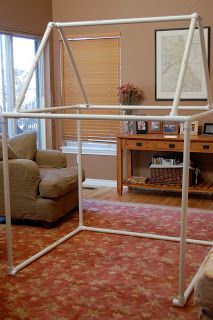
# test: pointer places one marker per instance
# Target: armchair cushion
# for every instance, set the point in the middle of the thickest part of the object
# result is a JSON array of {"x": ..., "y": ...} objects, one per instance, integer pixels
[
  {"x": 11, "y": 152},
  {"x": 56, "y": 182},
  {"x": 50, "y": 159},
  {"x": 24, "y": 145}
]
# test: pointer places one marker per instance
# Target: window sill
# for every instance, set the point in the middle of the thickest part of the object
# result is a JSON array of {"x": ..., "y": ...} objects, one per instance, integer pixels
[{"x": 92, "y": 148}]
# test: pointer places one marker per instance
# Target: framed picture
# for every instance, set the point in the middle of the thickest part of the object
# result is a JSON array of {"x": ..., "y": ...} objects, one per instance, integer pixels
[
  {"x": 155, "y": 127},
  {"x": 208, "y": 128},
  {"x": 170, "y": 128},
  {"x": 193, "y": 130},
  {"x": 169, "y": 48},
  {"x": 141, "y": 127}
]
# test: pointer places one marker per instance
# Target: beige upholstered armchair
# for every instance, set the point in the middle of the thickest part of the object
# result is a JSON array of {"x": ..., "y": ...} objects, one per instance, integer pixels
[{"x": 42, "y": 187}]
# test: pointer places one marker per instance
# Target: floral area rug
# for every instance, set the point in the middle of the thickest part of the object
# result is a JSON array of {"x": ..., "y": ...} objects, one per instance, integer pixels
[{"x": 102, "y": 276}]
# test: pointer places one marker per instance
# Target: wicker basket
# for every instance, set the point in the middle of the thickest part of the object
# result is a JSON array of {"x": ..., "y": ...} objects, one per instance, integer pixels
[{"x": 169, "y": 175}]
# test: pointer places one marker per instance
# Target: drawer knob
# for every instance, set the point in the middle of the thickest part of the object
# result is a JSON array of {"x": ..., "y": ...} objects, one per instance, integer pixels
[
  {"x": 171, "y": 146},
  {"x": 139, "y": 144},
  {"x": 205, "y": 146}
]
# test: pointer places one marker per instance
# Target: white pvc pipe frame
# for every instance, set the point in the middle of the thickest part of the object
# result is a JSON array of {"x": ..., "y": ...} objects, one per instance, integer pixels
[{"x": 183, "y": 294}]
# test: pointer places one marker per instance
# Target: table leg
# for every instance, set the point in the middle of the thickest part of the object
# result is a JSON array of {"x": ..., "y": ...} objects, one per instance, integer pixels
[
  {"x": 129, "y": 166},
  {"x": 119, "y": 167}
]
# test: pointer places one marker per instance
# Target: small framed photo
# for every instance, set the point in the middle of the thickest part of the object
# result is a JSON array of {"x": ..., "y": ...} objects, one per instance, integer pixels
[
  {"x": 170, "y": 128},
  {"x": 208, "y": 128},
  {"x": 155, "y": 127},
  {"x": 141, "y": 127},
  {"x": 193, "y": 130}
]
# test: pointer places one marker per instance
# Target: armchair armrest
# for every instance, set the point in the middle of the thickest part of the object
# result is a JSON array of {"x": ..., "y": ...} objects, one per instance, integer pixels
[{"x": 50, "y": 159}]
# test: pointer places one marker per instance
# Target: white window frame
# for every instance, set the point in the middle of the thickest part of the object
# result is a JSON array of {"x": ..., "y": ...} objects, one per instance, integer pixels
[
  {"x": 91, "y": 147},
  {"x": 10, "y": 78}
]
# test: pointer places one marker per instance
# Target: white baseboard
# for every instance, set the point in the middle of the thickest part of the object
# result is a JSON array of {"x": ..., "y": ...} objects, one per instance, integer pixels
[{"x": 92, "y": 183}]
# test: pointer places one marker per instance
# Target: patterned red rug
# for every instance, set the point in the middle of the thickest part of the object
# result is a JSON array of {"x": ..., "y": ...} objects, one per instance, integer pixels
[{"x": 102, "y": 276}]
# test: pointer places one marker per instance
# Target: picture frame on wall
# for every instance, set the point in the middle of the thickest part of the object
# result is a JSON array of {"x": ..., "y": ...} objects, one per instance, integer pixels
[
  {"x": 141, "y": 127},
  {"x": 193, "y": 129},
  {"x": 155, "y": 127},
  {"x": 169, "y": 49},
  {"x": 170, "y": 128}
]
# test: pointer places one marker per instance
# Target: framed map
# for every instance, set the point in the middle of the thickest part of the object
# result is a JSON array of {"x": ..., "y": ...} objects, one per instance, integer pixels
[{"x": 169, "y": 49}]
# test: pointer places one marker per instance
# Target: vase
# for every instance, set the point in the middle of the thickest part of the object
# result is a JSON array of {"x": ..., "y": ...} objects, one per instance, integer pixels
[{"x": 129, "y": 126}]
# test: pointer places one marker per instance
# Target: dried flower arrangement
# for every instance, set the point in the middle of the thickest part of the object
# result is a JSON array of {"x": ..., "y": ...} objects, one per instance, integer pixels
[{"x": 129, "y": 94}]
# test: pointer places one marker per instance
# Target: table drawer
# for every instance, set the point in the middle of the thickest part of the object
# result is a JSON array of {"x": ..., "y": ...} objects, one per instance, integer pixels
[
  {"x": 141, "y": 145},
  {"x": 203, "y": 147},
  {"x": 170, "y": 145}
]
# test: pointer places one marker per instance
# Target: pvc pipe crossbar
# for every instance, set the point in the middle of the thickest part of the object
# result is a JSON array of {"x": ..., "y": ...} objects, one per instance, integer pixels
[
  {"x": 94, "y": 116},
  {"x": 116, "y": 107},
  {"x": 202, "y": 115},
  {"x": 183, "y": 66},
  {"x": 32, "y": 68},
  {"x": 36, "y": 256},
  {"x": 122, "y": 21},
  {"x": 146, "y": 235},
  {"x": 74, "y": 66}
]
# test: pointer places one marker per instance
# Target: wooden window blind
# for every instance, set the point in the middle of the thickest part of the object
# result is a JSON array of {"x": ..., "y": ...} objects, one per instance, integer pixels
[{"x": 98, "y": 62}]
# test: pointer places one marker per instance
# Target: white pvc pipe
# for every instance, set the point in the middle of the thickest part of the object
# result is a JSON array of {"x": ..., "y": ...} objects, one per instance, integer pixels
[
  {"x": 44, "y": 40},
  {"x": 116, "y": 107},
  {"x": 7, "y": 195},
  {"x": 205, "y": 63},
  {"x": 73, "y": 64},
  {"x": 184, "y": 211},
  {"x": 44, "y": 251},
  {"x": 95, "y": 116},
  {"x": 202, "y": 115},
  {"x": 184, "y": 62},
  {"x": 123, "y": 21},
  {"x": 146, "y": 235},
  {"x": 80, "y": 187},
  {"x": 13, "y": 86}
]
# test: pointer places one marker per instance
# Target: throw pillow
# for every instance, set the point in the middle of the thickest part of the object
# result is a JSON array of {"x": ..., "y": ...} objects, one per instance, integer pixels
[
  {"x": 24, "y": 145},
  {"x": 11, "y": 152}
]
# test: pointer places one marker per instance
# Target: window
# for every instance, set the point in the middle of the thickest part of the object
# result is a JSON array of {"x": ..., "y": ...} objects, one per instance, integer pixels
[
  {"x": 98, "y": 62},
  {"x": 16, "y": 56}
]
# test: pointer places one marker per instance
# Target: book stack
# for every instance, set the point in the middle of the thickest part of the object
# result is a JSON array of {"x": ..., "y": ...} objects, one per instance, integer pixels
[{"x": 156, "y": 160}]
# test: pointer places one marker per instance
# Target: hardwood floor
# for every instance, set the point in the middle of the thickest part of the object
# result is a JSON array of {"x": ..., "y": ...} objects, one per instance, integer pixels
[{"x": 137, "y": 196}]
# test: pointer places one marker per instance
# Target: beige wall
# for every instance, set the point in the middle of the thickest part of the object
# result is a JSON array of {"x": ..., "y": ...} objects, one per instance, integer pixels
[
  {"x": 138, "y": 46},
  {"x": 96, "y": 167},
  {"x": 30, "y": 17},
  {"x": 25, "y": 16}
]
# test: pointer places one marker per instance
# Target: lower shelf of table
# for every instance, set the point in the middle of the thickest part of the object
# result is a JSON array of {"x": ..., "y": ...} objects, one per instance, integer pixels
[{"x": 205, "y": 188}]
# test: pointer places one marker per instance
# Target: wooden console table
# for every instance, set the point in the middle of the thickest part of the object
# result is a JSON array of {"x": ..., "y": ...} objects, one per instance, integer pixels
[{"x": 156, "y": 143}]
